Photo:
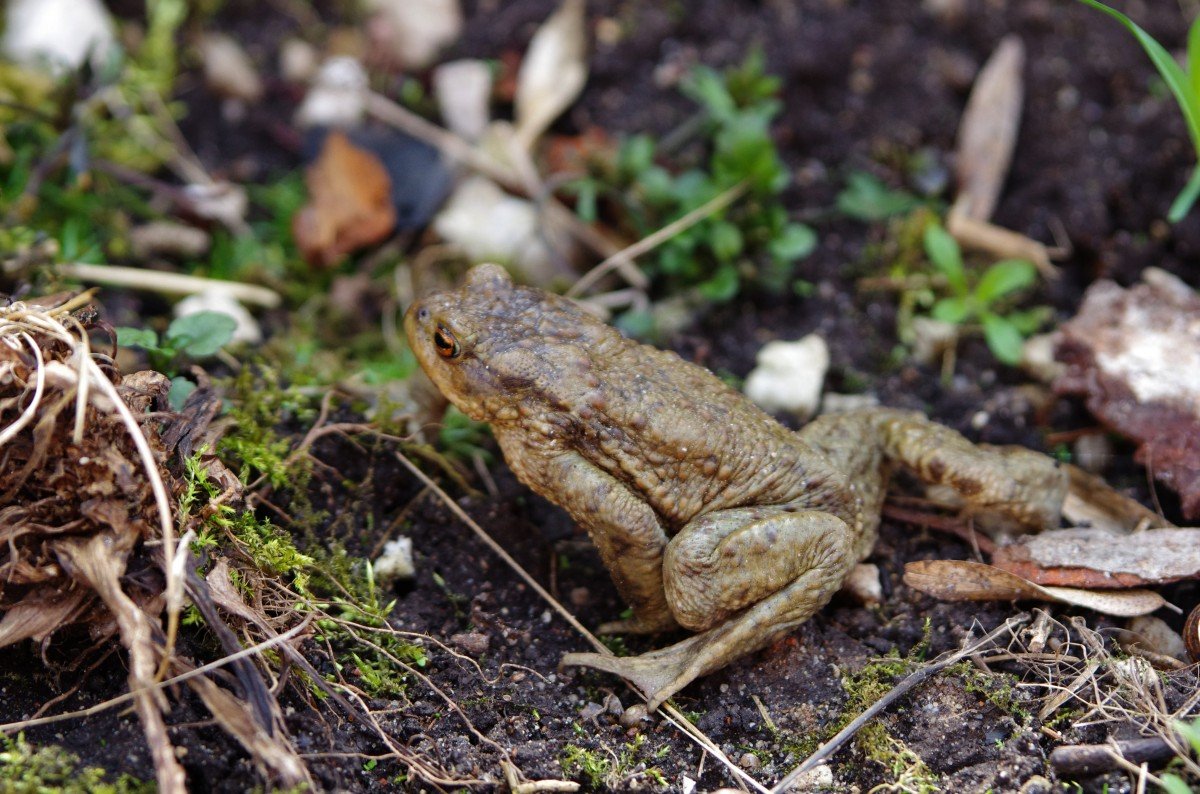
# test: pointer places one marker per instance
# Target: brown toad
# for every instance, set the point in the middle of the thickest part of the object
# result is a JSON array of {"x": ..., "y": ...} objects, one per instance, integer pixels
[{"x": 709, "y": 514}]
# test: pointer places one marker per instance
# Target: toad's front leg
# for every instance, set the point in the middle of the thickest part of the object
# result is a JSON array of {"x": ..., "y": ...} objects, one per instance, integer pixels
[{"x": 742, "y": 577}]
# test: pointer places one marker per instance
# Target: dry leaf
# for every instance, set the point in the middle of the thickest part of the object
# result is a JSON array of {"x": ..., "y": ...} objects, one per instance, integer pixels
[
  {"x": 1135, "y": 354},
  {"x": 553, "y": 72},
  {"x": 987, "y": 134},
  {"x": 1096, "y": 558},
  {"x": 963, "y": 580},
  {"x": 350, "y": 203},
  {"x": 1092, "y": 502}
]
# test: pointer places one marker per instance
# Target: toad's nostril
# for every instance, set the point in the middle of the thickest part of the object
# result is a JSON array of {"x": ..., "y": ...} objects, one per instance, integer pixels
[{"x": 422, "y": 314}]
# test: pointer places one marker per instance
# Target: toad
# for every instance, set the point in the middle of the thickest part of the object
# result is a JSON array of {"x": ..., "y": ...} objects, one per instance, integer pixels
[{"x": 709, "y": 515}]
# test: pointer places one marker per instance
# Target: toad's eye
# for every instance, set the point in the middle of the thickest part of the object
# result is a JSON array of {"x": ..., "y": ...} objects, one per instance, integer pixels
[{"x": 446, "y": 344}]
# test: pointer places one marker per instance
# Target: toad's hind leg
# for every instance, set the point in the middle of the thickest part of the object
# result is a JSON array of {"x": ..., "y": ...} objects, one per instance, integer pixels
[
  {"x": 743, "y": 577},
  {"x": 1017, "y": 483}
]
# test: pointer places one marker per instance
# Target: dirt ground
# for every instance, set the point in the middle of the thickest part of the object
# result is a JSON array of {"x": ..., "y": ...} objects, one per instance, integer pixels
[{"x": 1101, "y": 155}]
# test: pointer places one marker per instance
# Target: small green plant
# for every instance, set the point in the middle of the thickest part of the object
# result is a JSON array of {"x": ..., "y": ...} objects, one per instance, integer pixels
[
  {"x": 751, "y": 240},
  {"x": 593, "y": 767},
  {"x": 194, "y": 336},
  {"x": 1185, "y": 87},
  {"x": 981, "y": 300},
  {"x": 1174, "y": 784},
  {"x": 867, "y": 198}
]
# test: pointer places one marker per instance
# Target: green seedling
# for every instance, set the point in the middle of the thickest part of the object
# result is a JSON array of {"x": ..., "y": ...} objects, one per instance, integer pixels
[
  {"x": 1185, "y": 87},
  {"x": 1174, "y": 784},
  {"x": 867, "y": 198},
  {"x": 980, "y": 300},
  {"x": 747, "y": 240},
  {"x": 196, "y": 336}
]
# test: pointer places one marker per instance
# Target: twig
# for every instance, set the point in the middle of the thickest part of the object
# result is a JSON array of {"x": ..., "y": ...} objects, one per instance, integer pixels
[
  {"x": 1086, "y": 760},
  {"x": 175, "y": 283},
  {"x": 502, "y": 554},
  {"x": 673, "y": 715},
  {"x": 13, "y": 727},
  {"x": 652, "y": 241},
  {"x": 898, "y": 691}
]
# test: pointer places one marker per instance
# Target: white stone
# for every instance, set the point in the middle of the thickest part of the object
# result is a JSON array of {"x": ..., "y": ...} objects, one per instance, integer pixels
[
  {"x": 413, "y": 32},
  {"x": 1037, "y": 357},
  {"x": 396, "y": 561},
  {"x": 463, "y": 90},
  {"x": 932, "y": 338},
  {"x": 337, "y": 97},
  {"x": 788, "y": 376},
  {"x": 218, "y": 300},
  {"x": 863, "y": 585},
  {"x": 57, "y": 34},
  {"x": 489, "y": 225},
  {"x": 228, "y": 71}
]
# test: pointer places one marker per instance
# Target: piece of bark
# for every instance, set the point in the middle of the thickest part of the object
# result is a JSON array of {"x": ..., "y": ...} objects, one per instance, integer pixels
[
  {"x": 1097, "y": 559},
  {"x": 1135, "y": 355}
]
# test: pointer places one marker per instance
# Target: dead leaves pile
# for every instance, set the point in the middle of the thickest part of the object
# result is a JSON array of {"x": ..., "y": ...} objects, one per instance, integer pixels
[
  {"x": 1108, "y": 563},
  {"x": 64, "y": 493},
  {"x": 87, "y": 532}
]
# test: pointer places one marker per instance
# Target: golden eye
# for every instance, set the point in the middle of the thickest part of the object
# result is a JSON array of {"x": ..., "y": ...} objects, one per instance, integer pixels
[{"x": 446, "y": 344}]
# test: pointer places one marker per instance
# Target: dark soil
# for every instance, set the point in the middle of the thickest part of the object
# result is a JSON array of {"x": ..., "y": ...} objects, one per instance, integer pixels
[{"x": 1102, "y": 153}]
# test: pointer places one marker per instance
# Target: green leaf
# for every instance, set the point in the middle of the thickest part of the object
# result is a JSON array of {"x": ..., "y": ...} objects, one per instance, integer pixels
[
  {"x": 794, "y": 243},
  {"x": 636, "y": 155},
  {"x": 201, "y": 334},
  {"x": 1028, "y": 321},
  {"x": 866, "y": 198},
  {"x": 1191, "y": 733},
  {"x": 1173, "y": 784},
  {"x": 946, "y": 256},
  {"x": 1003, "y": 339},
  {"x": 585, "y": 200},
  {"x": 708, "y": 88},
  {"x": 1182, "y": 204},
  {"x": 950, "y": 310},
  {"x": 722, "y": 286},
  {"x": 725, "y": 240},
  {"x": 1007, "y": 275},
  {"x": 1171, "y": 72},
  {"x": 1193, "y": 59},
  {"x": 137, "y": 337},
  {"x": 181, "y": 389}
]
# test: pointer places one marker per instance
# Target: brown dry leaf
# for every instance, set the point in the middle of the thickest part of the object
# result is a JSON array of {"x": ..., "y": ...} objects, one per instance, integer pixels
[
  {"x": 964, "y": 580},
  {"x": 1135, "y": 354},
  {"x": 39, "y": 615},
  {"x": 1092, "y": 502},
  {"x": 350, "y": 204},
  {"x": 553, "y": 72},
  {"x": 270, "y": 750},
  {"x": 987, "y": 134},
  {"x": 1096, "y": 558},
  {"x": 987, "y": 138}
]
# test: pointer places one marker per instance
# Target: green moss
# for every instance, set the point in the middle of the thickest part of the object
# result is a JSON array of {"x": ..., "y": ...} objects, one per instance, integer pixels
[
  {"x": 997, "y": 688},
  {"x": 53, "y": 770},
  {"x": 604, "y": 769},
  {"x": 863, "y": 689}
]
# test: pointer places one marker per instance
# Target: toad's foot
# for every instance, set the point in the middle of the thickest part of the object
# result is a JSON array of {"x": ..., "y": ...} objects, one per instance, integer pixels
[{"x": 657, "y": 674}]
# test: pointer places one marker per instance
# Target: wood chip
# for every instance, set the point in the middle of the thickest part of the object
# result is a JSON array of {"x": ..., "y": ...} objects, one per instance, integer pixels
[{"x": 1096, "y": 558}]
